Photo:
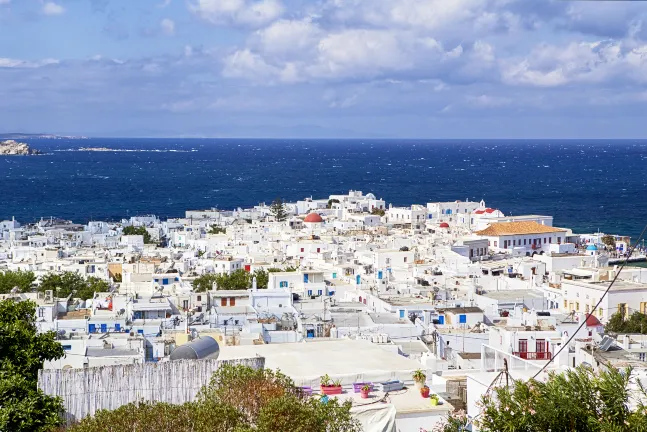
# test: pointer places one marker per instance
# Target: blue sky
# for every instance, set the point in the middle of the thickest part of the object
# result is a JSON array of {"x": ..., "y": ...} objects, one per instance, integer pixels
[{"x": 324, "y": 68}]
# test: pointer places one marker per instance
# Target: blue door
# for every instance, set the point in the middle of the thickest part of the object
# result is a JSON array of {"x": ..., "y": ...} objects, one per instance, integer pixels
[
  {"x": 358, "y": 279},
  {"x": 334, "y": 275},
  {"x": 305, "y": 278},
  {"x": 164, "y": 281},
  {"x": 462, "y": 319},
  {"x": 117, "y": 327},
  {"x": 379, "y": 274},
  {"x": 441, "y": 319},
  {"x": 92, "y": 328},
  {"x": 104, "y": 328},
  {"x": 319, "y": 292},
  {"x": 401, "y": 313},
  {"x": 310, "y": 333}
]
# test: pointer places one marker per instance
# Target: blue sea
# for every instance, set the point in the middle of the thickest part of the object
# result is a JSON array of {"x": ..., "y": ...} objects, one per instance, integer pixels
[{"x": 586, "y": 185}]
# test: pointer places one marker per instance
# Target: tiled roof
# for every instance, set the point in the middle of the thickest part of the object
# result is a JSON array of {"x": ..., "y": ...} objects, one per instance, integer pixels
[{"x": 517, "y": 228}]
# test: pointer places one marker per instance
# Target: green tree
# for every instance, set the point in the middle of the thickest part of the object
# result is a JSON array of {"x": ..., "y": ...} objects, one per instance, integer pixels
[
  {"x": 23, "y": 407},
  {"x": 262, "y": 278},
  {"x": 378, "y": 212},
  {"x": 237, "y": 280},
  {"x": 21, "y": 279},
  {"x": 576, "y": 400},
  {"x": 237, "y": 399},
  {"x": 278, "y": 270},
  {"x": 132, "y": 230},
  {"x": 609, "y": 241},
  {"x": 216, "y": 229},
  {"x": 277, "y": 209},
  {"x": 66, "y": 283},
  {"x": 634, "y": 323},
  {"x": 205, "y": 282},
  {"x": 331, "y": 202}
]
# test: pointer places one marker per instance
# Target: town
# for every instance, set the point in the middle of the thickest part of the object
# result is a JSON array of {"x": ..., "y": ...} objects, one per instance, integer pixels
[{"x": 348, "y": 296}]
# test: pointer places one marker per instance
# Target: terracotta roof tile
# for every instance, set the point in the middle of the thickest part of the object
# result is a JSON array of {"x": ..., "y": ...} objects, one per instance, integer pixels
[{"x": 517, "y": 228}]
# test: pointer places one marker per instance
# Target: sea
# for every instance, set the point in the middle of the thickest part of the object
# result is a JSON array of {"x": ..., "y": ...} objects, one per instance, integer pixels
[{"x": 589, "y": 186}]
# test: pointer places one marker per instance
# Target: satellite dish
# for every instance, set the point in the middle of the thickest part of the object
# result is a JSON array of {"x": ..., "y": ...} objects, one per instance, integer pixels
[{"x": 15, "y": 290}]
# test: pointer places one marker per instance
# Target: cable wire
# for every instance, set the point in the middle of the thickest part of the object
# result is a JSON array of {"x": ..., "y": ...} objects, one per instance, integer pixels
[{"x": 588, "y": 315}]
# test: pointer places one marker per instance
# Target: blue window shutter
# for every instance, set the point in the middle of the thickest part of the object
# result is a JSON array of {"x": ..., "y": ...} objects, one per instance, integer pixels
[
  {"x": 117, "y": 327},
  {"x": 309, "y": 292},
  {"x": 165, "y": 282},
  {"x": 462, "y": 319},
  {"x": 334, "y": 275},
  {"x": 305, "y": 278},
  {"x": 92, "y": 328},
  {"x": 401, "y": 313},
  {"x": 358, "y": 279},
  {"x": 104, "y": 328},
  {"x": 379, "y": 274},
  {"x": 441, "y": 319},
  {"x": 140, "y": 331}
]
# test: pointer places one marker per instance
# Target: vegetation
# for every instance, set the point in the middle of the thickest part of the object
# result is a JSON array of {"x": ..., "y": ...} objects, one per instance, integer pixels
[
  {"x": 277, "y": 209},
  {"x": 216, "y": 229},
  {"x": 609, "y": 241},
  {"x": 205, "y": 282},
  {"x": 635, "y": 323},
  {"x": 132, "y": 230},
  {"x": 66, "y": 283},
  {"x": 576, "y": 400},
  {"x": 23, "y": 407},
  {"x": 262, "y": 278},
  {"x": 331, "y": 202},
  {"x": 287, "y": 269},
  {"x": 9, "y": 280},
  {"x": 238, "y": 280},
  {"x": 419, "y": 376},
  {"x": 237, "y": 399},
  {"x": 378, "y": 212}
]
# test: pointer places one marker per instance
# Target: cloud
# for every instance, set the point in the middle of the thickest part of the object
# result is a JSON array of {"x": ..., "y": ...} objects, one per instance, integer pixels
[
  {"x": 51, "y": 8},
  {"x": 168, "y": 26},
  {"x": 249, "y": 13},
  {"x": 24, "y": 64}
]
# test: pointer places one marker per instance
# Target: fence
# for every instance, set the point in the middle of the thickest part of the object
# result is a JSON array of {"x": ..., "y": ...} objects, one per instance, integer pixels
[{"x": 85, "y": 391}]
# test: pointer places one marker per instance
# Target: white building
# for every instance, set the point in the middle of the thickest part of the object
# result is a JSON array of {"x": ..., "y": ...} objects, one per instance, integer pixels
[{"x": 522, "y": 238}]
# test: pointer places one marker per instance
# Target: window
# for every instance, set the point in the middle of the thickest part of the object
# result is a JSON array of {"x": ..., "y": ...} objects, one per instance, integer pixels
[
  {"x": 223, "y": 301},
  {"x": 283, "y": 284},
  {"x": 545, "y": 240},
  {"x": 67, "y": 347},
  {"x": 462, "y": 319},
  {"x": 524, "y": 242},
  {"x": 496, "y": 244},
  {"x": 185, "y": 304},
  {"x": 523, "y": 345},
  {"x": 318, "y": 250},
  {"x": 199, "y": 298},
  {"x": 302, "y": 249},
  {"x": 565, "y": 304},
  {"x": 232, "y": 301},
  {"x": 41, "y": 312},
  {"x": 586, "y": 308},
  {"x": 643, "y": 307},
  {"x": 540, "y": 346},
  {"x": 405, "y": 259},
  {"x": 577, "y": 306}
]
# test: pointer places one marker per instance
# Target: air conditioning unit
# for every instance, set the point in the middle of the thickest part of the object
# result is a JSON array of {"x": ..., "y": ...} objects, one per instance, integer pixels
[{"x": 49, "y": 296}]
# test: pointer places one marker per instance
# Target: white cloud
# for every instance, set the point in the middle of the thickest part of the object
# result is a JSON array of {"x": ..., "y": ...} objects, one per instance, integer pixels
[
  {"x": 168, "y": 26},
  {"x": 51, "y": 8},
  {"x": 252, "y": 13},
  {"x": 24, "y": 64}
]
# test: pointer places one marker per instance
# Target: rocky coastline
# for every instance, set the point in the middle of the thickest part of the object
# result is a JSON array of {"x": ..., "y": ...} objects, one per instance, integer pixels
[{"x": 15, "y": 148}]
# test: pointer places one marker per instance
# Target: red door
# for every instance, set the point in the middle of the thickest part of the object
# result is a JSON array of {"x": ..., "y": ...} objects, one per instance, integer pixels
[{"x": 523, "y": 345}]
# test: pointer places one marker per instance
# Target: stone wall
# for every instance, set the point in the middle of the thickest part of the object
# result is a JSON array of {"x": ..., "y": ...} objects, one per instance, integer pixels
[{"x": 85, "y": 391}]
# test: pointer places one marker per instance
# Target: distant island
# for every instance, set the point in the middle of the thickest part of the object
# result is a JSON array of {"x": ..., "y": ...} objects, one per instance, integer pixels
[
  {"x": 18, "y": 136},
  {"x": 15, "y": 148}
]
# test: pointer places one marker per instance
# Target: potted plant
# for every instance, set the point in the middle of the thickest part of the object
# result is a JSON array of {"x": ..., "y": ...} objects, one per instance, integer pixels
[
  {"x": 365, "y": 390},
  {"x": 424, "y": 391},
  {"x": 328, "y": 387},
  {"x": 433, "y": 399},
  {"x": 419, "y": 378}
]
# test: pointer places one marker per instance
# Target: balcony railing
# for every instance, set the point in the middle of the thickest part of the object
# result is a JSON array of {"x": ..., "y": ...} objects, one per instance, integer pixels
[{"x": 534, "y": 355}]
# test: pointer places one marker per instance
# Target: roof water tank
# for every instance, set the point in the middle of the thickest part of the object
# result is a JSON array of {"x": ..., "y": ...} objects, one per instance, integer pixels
[{"x": 202, "y": 348}]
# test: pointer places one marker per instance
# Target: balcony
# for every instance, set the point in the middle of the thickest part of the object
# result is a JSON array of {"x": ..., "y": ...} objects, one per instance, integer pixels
[{"x": 534, "y": 355}]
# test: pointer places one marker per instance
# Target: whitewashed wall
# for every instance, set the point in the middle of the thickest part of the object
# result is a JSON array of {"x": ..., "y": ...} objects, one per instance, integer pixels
[{"x": 85, "y": 391}]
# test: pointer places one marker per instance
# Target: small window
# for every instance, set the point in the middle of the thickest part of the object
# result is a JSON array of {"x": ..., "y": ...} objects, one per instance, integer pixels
[
  {"x": 405, "y": 259},
  {"x": 199, "y": 298},
  {"x": 223, "y": 301},
  {"x": 232, "y": 302},
  {"x": 41, "y": 312},
  {"x": 302, "y": 249},
  {"x": 67, "y": 347}
]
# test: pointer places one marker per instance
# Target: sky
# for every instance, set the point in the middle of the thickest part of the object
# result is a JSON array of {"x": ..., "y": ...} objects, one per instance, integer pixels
[{"x": 324, "y": 68}]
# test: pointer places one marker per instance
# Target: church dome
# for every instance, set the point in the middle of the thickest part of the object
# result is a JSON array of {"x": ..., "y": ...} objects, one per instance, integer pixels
[
  {"x": 444, "y": 225},
  {"x": 591, "y": 247},
  {"x": 313, "y": 218}
]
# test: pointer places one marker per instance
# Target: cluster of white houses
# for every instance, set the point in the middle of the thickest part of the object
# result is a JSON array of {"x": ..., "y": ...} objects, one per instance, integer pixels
[{"x": 355, "y": 288}]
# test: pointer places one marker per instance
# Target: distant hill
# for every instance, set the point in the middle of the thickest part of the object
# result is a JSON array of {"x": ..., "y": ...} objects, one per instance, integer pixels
[{"x": 19, "y": 136}]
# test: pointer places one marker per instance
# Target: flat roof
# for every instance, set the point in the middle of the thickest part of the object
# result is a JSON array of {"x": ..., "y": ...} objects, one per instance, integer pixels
[
  {"x": 513, "y": 294},
  {"x": 344, "y": 359},
  {"x": 111, "y": 352}
]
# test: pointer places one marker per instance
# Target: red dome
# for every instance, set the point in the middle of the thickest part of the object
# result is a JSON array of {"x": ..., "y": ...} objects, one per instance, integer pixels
[
  {"x": 444, "y": 225},
  {"x": 313, "y": 218}
]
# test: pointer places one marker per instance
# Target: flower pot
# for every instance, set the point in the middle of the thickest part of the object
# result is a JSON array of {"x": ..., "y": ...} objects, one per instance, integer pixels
[
  {"x": 364, "y": 394},
  {"x": 418, "y": 384},
  {"x": 424, "y": 392},
  {"x": 331, "y": 390},
  {"x": 433, "y": 401}
]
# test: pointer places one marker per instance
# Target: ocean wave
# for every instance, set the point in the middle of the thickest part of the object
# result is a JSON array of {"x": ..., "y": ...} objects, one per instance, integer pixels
[{"x": 111, "y": 150}]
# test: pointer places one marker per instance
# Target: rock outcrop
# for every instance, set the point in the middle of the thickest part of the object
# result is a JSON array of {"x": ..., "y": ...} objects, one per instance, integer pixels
[{"x": 14, "y": 148}]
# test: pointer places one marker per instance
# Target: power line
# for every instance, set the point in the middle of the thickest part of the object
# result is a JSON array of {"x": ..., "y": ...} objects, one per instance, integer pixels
[{"x": 588, "y": 315}]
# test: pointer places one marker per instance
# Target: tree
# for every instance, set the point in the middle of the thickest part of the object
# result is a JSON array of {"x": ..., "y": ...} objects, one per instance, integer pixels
[
  {"x": 215, "y": 229},
  {"x": 609, "y": 241},
  {"x": 277, "y": 209},
  {"x": 237, "y": 280},
  {"x": 66, "y": 283},
  {"x": 378, "y": 212},
  {"x": 576, "y": 400},
  {"x": 262, "y": 278},
  {"x": 12, "y": 279},
  {"x": 23, "y": 407},
  {"x": 237, "y": 399},
  {"x": 142, "y": 231},
  {"x": 634, "y": 323},
  {"x": 331, "y": 202},
  {"x": 205, "y": 282}
]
